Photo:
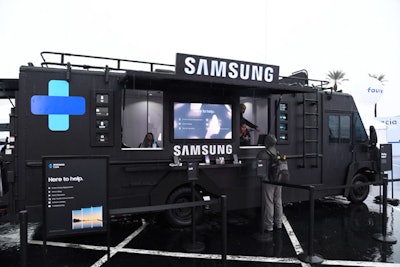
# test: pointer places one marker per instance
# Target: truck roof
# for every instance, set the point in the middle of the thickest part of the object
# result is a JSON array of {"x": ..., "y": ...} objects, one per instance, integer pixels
[
  {"x": 159, "y": 81},
  {"x": 158, "y": 76}
]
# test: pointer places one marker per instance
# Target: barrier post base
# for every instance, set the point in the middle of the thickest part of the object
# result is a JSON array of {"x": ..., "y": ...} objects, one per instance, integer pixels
[
  {"x": 384, "y": 238},
  {"x": 313, "y": 259},
  {"x": 196, "y": 246}
]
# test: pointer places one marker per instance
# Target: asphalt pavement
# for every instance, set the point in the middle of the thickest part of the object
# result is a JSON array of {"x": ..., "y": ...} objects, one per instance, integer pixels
[{"x": 344, "y": 234}]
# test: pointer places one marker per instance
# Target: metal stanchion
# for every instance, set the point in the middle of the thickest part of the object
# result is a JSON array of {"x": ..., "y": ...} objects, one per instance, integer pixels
[
  {"x": 194, "y": 245},
  {"x": 383, "y": 237},
  {"x": 224, "y": 230},
  {"x": 311, "y": 257},
  {"x": 23, "y": 236},
  {"x": 108, "y": 236},
  {"x": 391, "y": 177}
]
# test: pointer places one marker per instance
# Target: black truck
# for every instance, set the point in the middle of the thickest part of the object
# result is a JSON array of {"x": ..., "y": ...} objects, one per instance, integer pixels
[{"x": 82, "y": 106}]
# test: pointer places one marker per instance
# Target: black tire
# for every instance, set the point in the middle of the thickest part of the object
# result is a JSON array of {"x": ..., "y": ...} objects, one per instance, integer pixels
[
  {"x": 358, "y": 194},
  {"x": 182, "y": 217}
]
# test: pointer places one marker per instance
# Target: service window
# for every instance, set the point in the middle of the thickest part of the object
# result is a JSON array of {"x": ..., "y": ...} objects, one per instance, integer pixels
[
  {"x": 142, "y": 119},
  {"x": 339, "y": 128},
  {"x": 5, "y": 110},
  {"x": 254, "y": 119}
]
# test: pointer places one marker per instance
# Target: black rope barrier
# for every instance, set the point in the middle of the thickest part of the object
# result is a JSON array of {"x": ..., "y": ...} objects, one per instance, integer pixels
[
  {"x": 310, "y": 256},
  {"x": 222, "y": 201}
]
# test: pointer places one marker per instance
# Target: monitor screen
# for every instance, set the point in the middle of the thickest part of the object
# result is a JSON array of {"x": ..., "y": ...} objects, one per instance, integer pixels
[{"x": 202, "y": 121}]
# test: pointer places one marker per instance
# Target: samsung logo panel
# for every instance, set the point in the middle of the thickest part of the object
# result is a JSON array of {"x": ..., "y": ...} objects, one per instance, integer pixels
[
  {"x": 230, "y": 71},
  {"x": 223, "y": 71},
  {"x": 202, "y": 150}
]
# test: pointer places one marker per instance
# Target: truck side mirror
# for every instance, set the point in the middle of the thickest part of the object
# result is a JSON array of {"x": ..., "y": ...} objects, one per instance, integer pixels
[{"x": 373, "y": 139}]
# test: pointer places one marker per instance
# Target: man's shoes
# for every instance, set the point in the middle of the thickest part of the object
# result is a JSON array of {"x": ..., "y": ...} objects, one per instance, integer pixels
[{"x": 268, "y": 235}]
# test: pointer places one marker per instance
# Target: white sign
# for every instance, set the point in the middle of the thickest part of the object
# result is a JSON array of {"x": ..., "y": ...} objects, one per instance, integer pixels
[{"x": 366, "y": 90}]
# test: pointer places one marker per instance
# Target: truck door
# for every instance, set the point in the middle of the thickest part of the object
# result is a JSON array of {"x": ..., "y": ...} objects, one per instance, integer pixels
[{"x": 337, "y": 148}]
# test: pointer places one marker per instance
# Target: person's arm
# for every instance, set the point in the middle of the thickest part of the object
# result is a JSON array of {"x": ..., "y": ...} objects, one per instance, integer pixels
[{"x": 250, "y": 124}]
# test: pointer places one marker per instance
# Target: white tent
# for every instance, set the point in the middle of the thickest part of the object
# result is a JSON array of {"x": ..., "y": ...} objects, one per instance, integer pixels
[
  {"x": 393, "y": 132},
  {"x": 367, "y": 91}
]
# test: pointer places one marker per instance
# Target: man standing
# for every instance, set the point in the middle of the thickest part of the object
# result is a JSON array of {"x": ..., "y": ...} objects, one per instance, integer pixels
[{"x": 272, "y": 194}]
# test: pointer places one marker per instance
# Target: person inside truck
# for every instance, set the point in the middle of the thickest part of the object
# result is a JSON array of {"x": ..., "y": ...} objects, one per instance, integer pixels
[
  {"x": 244, "y": 120},
  {"x": 149, "y": 141},
  {"x": 244, "y": 135}
]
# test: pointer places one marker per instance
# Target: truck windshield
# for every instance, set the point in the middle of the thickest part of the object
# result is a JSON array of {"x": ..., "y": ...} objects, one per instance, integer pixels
[{"x": 360, "y": 134}]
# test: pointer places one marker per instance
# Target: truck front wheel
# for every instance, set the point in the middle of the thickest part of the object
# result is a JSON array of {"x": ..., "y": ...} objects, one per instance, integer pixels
[
  {"x": 183, "y": 217},
  {"x": 358, "y": 194}
]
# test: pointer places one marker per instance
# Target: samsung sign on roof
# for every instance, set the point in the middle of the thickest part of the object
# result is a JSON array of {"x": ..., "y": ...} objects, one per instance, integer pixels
[{"x": 226, "y": 70}]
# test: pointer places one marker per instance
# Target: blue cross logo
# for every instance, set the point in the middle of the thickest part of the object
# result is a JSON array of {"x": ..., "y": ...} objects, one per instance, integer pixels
[{"x": 58, "y": 105}]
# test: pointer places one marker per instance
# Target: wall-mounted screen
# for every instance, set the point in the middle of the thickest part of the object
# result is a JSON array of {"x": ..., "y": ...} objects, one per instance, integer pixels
[{"x": 202, "y": 121}]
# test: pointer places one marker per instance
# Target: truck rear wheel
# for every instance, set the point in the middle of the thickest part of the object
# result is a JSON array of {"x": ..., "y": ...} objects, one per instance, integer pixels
[
  {"x": 183, "y": 217},
  {"x": 358, "y": 194}
]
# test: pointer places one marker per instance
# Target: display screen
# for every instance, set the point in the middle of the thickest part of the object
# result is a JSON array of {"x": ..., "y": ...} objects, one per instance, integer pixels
[{"x": 202, "y": 121}]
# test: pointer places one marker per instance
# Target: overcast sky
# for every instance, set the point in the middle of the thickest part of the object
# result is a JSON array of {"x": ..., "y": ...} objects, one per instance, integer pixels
[{"x": 355, "y": 36}]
